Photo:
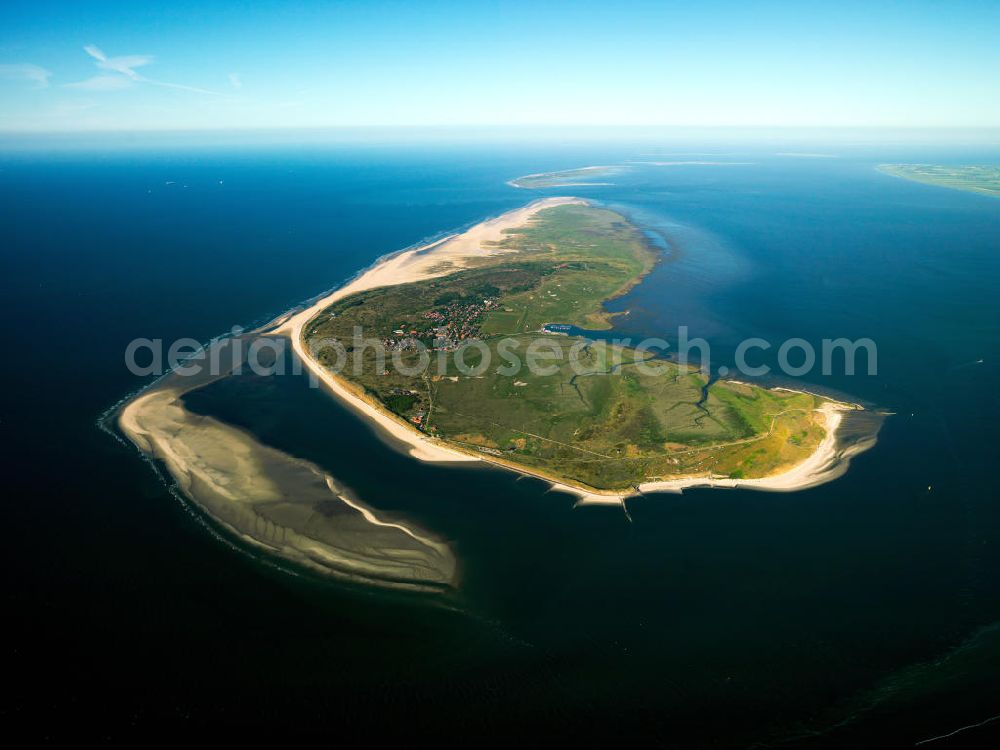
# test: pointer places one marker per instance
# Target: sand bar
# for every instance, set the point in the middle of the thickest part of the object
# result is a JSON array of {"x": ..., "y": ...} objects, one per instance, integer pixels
[{"x": 276, "y": 502}]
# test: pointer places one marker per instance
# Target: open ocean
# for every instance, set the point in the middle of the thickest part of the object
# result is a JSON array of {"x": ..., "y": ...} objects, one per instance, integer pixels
[{"x": 862, "y": 613}]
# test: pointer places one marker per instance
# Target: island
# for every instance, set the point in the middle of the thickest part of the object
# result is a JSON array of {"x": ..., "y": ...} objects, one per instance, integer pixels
[
  {"x": 579, "y": 177},
  {"x": 600, "y": 419},
  {"x": 977, "y": 179}
]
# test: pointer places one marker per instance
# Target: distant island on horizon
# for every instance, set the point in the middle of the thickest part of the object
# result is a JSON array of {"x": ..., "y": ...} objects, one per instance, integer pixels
[
  {"x": 579, "y": 177},
  {"x": 983, "y": 179}
]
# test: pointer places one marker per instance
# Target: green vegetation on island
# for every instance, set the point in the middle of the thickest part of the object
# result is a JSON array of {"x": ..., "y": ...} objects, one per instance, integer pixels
[
  {"x": 977, "y": 179},
  {"x": 590, "y": 413}
]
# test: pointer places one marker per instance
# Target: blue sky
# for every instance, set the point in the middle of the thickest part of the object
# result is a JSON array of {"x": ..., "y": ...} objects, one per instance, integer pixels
[{"x": 78, "y": 66}]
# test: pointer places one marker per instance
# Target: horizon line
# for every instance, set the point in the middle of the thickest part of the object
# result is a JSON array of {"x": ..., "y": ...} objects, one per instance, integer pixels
[{"x": 490, "y": 126}]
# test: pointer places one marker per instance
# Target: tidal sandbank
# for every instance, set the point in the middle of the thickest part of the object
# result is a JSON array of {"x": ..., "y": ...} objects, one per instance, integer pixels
[{"x": 276, "y": 502}]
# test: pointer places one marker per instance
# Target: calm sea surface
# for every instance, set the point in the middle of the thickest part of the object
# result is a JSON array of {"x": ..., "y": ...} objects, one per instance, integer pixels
[{"x": 860, "y": 613}]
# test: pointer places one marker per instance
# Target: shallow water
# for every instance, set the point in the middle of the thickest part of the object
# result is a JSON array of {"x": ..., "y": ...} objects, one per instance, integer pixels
[{"x": 731, "y": 615}]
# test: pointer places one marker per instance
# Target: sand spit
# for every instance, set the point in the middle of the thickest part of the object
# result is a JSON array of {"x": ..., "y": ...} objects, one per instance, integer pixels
[{"x": 276, "y": 502}]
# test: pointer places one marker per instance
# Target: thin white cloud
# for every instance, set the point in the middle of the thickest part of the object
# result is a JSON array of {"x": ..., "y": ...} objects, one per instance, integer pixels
[
  {"x": 102, "y": 83},
  {"x": 27, "y": 72},
  {"x": 122, "y": 73},
  {"x": 235, "y": 80},
  {"x": 124, "y": 64}
]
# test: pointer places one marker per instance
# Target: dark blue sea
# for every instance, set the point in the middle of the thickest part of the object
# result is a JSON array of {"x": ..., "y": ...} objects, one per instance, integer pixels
[{"x": 861, "y": 613}]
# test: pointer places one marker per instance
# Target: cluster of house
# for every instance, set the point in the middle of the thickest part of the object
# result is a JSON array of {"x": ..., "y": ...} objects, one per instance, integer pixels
[
  {"x": 459, "y": 322},
  {"x": 455, "y": 323},
  {"x": 402, "y": 341}
]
